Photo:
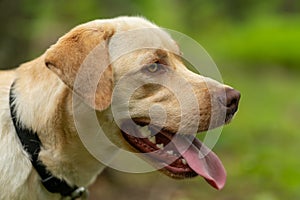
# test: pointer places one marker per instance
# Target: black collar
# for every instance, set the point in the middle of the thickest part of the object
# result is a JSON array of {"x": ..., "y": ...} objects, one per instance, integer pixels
[{"x": 32, "y": 144}]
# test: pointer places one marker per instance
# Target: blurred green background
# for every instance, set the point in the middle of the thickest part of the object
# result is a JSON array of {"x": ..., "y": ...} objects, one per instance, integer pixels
[{"x": 256, "y": 45}]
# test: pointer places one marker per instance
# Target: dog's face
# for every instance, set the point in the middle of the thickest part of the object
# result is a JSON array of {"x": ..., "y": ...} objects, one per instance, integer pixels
[{"x": 158, "y": 103}]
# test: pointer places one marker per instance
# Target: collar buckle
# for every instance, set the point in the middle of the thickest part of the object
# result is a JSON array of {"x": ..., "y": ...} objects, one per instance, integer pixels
[{"x": 80, "y": 192}]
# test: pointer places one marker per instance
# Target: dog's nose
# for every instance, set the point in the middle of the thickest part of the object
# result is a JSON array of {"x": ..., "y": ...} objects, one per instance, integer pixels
[{"x": 232, "y": 100}]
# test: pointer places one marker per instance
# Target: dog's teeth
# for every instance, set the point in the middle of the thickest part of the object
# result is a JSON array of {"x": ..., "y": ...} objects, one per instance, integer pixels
[
  {"x": 152, "y": 139},
  {"x": 145, "y": 131},
  {"x": 160, "y": 146},
  {"x": 171, "y": 152},
  {"x": 183, "y": 161}
]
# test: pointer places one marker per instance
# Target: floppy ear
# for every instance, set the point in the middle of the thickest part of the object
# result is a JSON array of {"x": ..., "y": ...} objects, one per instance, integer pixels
[{"x": 81, "y": 61}]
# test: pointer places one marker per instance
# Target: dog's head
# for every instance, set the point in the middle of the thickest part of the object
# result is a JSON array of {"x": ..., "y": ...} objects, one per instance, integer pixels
[{"x": 136, "y": 68}]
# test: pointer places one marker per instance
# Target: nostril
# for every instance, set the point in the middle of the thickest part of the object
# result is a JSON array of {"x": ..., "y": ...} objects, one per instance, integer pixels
[
  {"x": 232, "y": 98},
  {"x": 230, "y": 101}
]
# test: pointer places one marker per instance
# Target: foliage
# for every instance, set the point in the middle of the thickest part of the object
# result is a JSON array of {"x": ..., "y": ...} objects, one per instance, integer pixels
[{"x": 262, "y": 41}]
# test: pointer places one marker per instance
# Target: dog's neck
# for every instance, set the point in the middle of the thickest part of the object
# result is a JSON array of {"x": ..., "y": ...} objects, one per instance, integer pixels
[{"x": 46, "y": 107}]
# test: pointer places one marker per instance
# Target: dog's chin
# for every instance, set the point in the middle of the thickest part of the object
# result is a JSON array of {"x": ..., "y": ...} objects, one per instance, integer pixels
[{"x": 162, "y": 150}]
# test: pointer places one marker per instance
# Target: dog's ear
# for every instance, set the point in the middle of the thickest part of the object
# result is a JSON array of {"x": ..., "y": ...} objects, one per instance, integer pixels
[{"x": 81, "y": 60}]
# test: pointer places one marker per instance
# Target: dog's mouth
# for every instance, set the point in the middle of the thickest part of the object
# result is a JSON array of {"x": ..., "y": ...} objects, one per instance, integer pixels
[{"x": 177, "y": 155}]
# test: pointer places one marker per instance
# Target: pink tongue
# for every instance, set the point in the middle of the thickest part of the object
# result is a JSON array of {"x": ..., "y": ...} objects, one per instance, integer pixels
[{"x": 202, "y": 160}]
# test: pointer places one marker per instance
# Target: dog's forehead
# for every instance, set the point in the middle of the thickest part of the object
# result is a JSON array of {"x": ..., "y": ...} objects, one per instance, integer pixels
[{"x": 134, "y": 34}]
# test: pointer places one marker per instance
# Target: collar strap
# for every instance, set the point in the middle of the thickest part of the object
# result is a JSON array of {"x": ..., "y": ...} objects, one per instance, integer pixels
[{"x": 32, "y": 144}]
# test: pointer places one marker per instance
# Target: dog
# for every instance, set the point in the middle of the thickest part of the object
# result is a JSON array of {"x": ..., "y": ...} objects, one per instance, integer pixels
[{"x": 42, "y": 155}]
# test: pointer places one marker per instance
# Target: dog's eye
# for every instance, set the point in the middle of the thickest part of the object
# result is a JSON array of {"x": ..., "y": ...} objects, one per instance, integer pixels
[{"x": 154, "y": 67}]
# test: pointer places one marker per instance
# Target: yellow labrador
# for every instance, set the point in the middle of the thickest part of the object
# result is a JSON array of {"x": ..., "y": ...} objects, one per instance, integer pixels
[{"x": 133, "y": 62}]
